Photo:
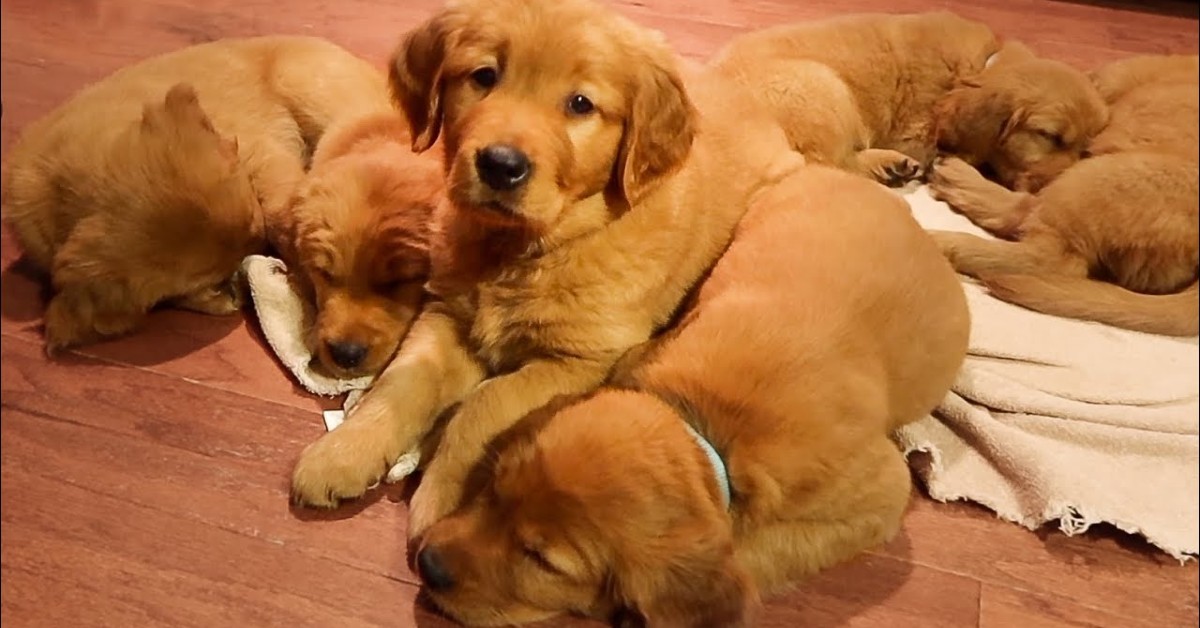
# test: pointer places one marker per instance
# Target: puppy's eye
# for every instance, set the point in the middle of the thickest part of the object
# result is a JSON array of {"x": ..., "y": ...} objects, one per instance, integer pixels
[
  {"x": 323, "y": 275},
  {"x": 539, "y": 559},
  {"x": 485, "y": 77},
  {"x": 580, "y": 105},
  {"x": 1054, "y": 138}
]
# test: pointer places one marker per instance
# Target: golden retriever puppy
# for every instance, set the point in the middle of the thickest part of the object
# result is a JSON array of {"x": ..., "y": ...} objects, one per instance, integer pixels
[
  {"x": 167, "y": 216},
  {"x": 272, "y": 96},
  {"x": 1116, "y": 237},
  {"x": 590, "y": 186},
  {"x": 360, "y": 240},
  {"x": 746, "y": 449},
  {"x": 1025, "y": 119},
  {"x": 858, "y": 92}
]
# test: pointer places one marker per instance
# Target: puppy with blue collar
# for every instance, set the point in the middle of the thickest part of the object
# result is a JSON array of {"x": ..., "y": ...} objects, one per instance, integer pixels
[{"x": 745, "y": 449}]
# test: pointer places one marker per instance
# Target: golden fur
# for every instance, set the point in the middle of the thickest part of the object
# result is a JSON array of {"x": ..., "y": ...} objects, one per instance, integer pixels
[
  {"x": 126, "y": 209},
  {"x": 625, "y": 206},
  {"x": 1024, "y": 118},
  {"x": 831, "y": 321},
  {"x": 858, "y": 92},
  {"x": 359, "y": 237},
  {"x": 167, "y": 217},
  {"x": 1116, "y": 237}
]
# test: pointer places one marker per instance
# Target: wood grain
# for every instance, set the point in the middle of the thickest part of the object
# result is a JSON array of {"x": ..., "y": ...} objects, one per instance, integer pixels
[{"x": 145, "y": 479}]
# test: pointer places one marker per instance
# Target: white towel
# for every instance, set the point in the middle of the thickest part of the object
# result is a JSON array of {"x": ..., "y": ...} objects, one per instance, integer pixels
[{"x": 1062, "y": 420}]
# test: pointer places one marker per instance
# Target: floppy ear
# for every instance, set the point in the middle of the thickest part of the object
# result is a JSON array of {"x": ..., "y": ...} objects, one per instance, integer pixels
[
  {"x": 659, "y": 131},
  {"x": 701, "y": 587},
  {"x": 971, "y": 121},
  {"x": 416, "y": 79}
]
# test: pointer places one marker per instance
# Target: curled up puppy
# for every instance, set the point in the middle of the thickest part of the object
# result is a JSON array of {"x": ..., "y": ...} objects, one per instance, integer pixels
[
  {"x": 166, "y": 216},
  {"x": 858, "y": 92},
  {"x": 128, "y": 206}
]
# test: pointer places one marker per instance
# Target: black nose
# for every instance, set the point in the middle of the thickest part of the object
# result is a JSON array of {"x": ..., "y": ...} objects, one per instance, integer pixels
[
  {"x": 346, "y": 354},
  {"x": 433, "y": 573},
  {"x": 502, "y": 167}
]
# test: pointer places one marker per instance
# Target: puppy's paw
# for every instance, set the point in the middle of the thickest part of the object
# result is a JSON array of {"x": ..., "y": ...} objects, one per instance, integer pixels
[
  {"x": 952, "y": 245},
  {"x": 342, "y": 464},
  {"x": 952, "y": 179},
  {"x": 889, "y": 167},
  {"x": 222, "y": 299}
]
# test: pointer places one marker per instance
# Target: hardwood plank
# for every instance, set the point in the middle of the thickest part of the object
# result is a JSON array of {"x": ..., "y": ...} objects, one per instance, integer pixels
[
  {"x": 1113, "y": 573},
  {"x": 1002, "y": 607},
  {"x": 878, "y": 592},
  {"x": 168, "y": 571}
]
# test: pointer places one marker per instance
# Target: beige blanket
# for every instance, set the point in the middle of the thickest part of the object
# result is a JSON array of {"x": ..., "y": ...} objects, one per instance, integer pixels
[{"x": 1068, "y": 421}]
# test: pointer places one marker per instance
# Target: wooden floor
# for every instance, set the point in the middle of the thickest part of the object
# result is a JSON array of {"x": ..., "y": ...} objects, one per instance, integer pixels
[{"x": 145, "y": 480}]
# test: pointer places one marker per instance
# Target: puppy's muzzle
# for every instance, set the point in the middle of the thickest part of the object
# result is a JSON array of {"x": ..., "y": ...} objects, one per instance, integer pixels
[{"x": 502, "y": 167}]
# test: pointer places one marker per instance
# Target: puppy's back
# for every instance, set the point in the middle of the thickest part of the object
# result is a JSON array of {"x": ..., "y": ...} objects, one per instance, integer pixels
[{"x": 830, "y": 297}]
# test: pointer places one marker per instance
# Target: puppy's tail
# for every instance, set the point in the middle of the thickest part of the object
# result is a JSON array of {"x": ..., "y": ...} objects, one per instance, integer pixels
[{"x": 1176, "y": 314}]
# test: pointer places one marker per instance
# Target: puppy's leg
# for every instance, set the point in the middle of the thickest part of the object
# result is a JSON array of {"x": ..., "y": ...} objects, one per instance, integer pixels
[
  {"x": 986, "y": 203},
  {"x": 859, "y": 510},
  {"x": 491, "y": 409},
  {"x": 1038, "y": 253},
  {"x": 889, "y": 167},
  {"x": 432, "y": 371},
  {"x": 85, "y": 313}
]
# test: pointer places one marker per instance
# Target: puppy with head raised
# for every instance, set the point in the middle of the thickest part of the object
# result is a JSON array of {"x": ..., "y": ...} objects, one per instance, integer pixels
[
  {"x": 1116, "y": 237},
  {"x": 99, "y": 198},
  {"x": 858, "y": 92},
  {"x": 1023, "y": 118},
  {"x": 359, "y": 237},
  {"x": 590, "y": 186},
  {"x": 744, "y": 450}
]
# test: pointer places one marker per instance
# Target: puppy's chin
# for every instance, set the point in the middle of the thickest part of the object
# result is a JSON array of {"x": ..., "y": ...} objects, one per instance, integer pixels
[{"x": 487, "y": 615}]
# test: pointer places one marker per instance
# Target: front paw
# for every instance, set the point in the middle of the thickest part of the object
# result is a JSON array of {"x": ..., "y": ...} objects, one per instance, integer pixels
[
  {"x": 950, "y": 178},
  {"x": 342, "y": 464}
]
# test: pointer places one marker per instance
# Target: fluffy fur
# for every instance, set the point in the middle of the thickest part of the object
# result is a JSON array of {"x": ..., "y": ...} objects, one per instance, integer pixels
[
  {"x": 540, "y": 288},
  {"x": 126, "y": 208},
  {"x": 1023, "y": 118},
  {"x": 831, "y": 321},
  {"x": 359, "y": 237},
  {"x": 858, "y": 92},
  {"x": 1116, "y": 237}
]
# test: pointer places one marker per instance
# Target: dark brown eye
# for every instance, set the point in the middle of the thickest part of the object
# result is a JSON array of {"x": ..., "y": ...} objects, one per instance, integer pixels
[
  {"x": 540, "y": 560},
  {"x": 485, "y": 77},
  {"x": 580, "y": 105}
]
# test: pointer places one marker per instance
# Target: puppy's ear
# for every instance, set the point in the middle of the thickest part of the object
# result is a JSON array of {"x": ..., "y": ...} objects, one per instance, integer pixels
[
  {"x": 659, "y": 130},
  {"x": 971, "y": 121},
  {"x": 415, "y": 75},
  {"x": 700, "y": 585}
]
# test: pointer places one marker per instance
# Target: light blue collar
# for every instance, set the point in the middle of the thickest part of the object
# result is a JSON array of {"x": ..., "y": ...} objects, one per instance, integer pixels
[{"x": 718, "y": 464}]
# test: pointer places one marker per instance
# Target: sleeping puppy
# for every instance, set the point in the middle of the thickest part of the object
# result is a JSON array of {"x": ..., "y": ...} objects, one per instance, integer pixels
[
  {"x": 1116, "y": 237},
  {"x": 858, "y": 92},
  {"x": 359, "y": 237},
  {"x": 590, "y": 187},
  {"x": 167, "y": 216},
  {"x": 1024, "y": 119},
  {"x": 79, "y": 192},
  {"x": 746, "y": 449}
]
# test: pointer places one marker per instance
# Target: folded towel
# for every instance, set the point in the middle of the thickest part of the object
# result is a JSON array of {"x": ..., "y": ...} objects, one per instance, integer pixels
[
  {"x": 1062, "y": 420},
  {"x": 285, "y": 318}
]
